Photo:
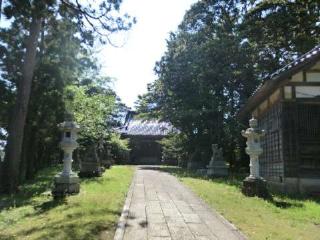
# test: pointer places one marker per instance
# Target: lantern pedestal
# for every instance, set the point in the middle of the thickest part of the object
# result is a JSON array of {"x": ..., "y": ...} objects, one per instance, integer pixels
[
  {"x": 255, "y": 187},
  {"x": 217, "y": 169},
  {"x": 65, "y": 185},
  {"x": 106, "y": 163},
  {"x": 90, "y": 169}
]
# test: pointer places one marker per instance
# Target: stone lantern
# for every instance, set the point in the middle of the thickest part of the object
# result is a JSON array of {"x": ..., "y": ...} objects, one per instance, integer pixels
[
  {"x": 67, "y": 182},
  {"x": 2, "y": 154},
  {"x": 254, "y": 185}
]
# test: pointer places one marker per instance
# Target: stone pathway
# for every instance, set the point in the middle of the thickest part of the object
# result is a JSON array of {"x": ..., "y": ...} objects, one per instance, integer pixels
[{"x": 159, "y": 207}]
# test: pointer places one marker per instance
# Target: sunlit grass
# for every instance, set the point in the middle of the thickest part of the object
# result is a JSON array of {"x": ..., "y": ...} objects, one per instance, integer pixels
[
  {"x": 93, "y": 214},
  {"x": 283, "y": 218}
]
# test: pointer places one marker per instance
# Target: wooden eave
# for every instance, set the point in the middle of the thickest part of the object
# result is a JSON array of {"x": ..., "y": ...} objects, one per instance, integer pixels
[
  {"x": 143, "y": 136},
  {"x": 269, "y": 86}
]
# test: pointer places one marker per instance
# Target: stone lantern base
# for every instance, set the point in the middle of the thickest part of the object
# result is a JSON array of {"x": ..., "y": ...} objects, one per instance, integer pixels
[
  {"x": 255, "y": 187},
  {"x": 218, "y": 169},
  {"x": 193, "y": 165},
  {"x": 65, "y": 185},
  {"x": 106, "y": 163},
  {"x": 90, "y": 169}
]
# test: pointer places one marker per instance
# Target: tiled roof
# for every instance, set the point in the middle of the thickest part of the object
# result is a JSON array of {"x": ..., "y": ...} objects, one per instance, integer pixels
[
  {"x": 299, "y": 61},
  {"x": 278, "y": 78},
  {"x": 146, "y": 128}
]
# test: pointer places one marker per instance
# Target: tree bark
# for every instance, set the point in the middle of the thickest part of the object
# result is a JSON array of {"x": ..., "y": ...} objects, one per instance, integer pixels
[
  {"x": 0, "y": 9},
  {"x": 18, "y": 119}
]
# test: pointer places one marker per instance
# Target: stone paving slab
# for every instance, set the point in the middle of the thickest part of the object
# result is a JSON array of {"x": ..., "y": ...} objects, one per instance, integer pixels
[{"x": 159, "y": 207}]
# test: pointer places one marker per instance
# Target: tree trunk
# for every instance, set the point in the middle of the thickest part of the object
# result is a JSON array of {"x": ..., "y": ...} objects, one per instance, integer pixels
[
  {"x": 0, "y": 9},
  {"x": 24, "y": 156},
  {"x": 16, "y": 126}
]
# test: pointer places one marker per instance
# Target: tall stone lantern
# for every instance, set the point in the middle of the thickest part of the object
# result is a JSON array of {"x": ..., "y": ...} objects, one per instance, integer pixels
[
  {"x": 67, "y": 182},
  {"x": 254, "y": 185}
]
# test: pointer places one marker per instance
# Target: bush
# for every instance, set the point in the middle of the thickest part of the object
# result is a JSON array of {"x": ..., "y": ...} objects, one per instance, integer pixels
[
  {"x": 119, "y": 148},
  {"x": 173, "y": 148}
]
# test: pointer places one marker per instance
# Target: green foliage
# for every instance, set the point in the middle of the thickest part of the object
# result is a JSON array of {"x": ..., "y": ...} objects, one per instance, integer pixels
[
  {"x": 119, "y": 147},
  {"x": 281, "y": 30},
  {"x": 214, "y": 62},
  {"x": 91, "y": 111},
  {"x": 45, "y": 48},
  {"x": 56, "y": 68},
  {"x": 148, "y": 105},
  {"x": 94, "y": 21},
  {"x": 173, "y": 148},
  {"x": 96, "y": 109},
  {"x": 64, "y": 58},
  {"x": 204, "y": 77}
]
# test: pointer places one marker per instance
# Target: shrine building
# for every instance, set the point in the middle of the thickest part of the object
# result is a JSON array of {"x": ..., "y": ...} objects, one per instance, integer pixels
[
  {"x": 287, "y": 106},
  {"x": 144, "y": 137}
]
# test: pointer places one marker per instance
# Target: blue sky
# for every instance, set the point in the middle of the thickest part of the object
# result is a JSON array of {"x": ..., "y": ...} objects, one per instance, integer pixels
[{"x": 132, "y": 65}]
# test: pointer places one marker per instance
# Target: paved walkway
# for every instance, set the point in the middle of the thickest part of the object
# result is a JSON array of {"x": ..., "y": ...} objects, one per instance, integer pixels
[{"x": 159, "y": 207}]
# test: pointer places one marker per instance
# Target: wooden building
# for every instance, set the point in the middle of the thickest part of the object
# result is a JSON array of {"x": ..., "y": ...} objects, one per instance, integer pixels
[
  {"x": 144, "y": 136},
  {"x": 287, "y": 106}
]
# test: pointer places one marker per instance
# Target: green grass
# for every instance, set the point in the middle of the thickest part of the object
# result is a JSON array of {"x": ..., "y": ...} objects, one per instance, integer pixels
[
  {"x": 92, "y": 214},
  {"x": 283, "y": 218}
]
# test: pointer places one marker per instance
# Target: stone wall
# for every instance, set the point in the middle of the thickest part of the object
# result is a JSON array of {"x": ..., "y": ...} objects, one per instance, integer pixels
[{"x": 304, "y": 186}]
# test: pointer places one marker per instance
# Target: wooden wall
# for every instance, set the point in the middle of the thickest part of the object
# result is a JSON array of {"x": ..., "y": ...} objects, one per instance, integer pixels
[
  {"x": 301, "y": 133},
  {"x": 271, "y": 160},
  {"x": 145, "y": 150},
  {"x": 291, "y": 147},
  {"x": 291, "y": 117}
]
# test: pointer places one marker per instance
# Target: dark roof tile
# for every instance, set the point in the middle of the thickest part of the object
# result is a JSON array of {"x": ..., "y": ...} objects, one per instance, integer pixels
[{"x": 146, "y": 128}]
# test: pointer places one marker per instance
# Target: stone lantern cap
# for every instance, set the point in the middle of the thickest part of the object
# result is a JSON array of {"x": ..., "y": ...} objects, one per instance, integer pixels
[
  {"x": 69, "y": 123},
  {"x": 253, "y": 130},
  {"x": 253, "y": 123}
]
